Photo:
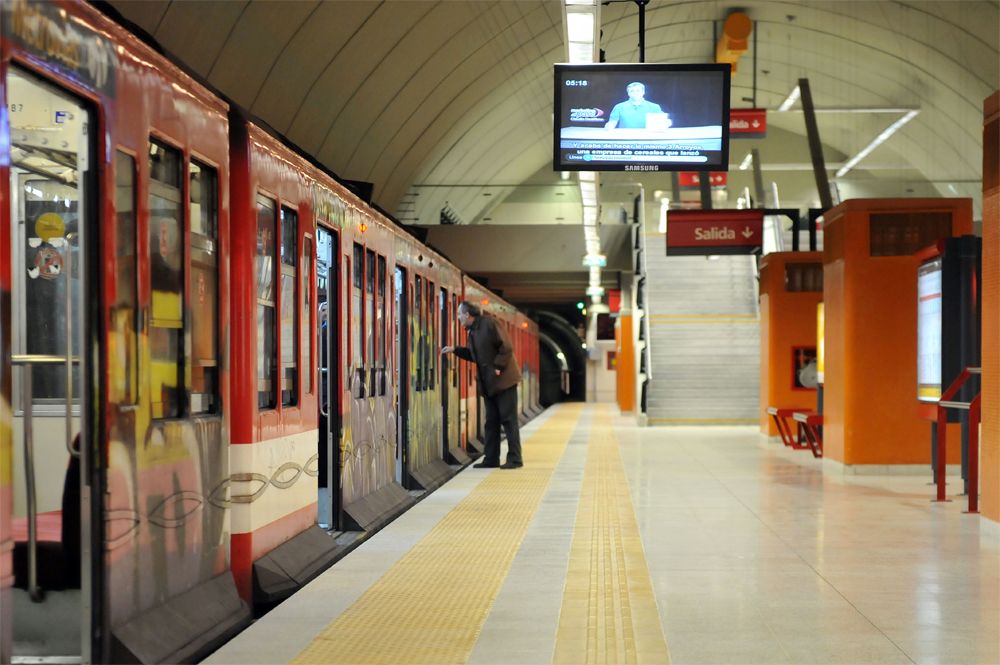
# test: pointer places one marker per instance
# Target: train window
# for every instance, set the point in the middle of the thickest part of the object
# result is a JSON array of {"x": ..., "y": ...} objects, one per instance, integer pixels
[
  {"x": 380, "y": 327},
  {"x": 418, "y": 325},
  {"x": 203, "y": 182},
  {"x": 123, "y": 355},
  {"x": 357, "y": 305},
  {"x": 288, "y": 301},
  {"x": 267, "y": 212},
  {"x": 166, "y": 266},
  {"x": 370, "y": 314},
  {"x": 306, "y": 328}
]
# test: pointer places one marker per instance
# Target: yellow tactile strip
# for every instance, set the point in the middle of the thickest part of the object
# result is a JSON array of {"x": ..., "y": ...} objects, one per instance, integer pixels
[
  {"x": 431, "y": 605},
  {"x": 609, "y": 613}
]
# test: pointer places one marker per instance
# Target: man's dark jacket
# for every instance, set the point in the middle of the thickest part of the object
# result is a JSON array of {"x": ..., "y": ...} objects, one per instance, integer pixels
[{"x": 490, "y": 348}]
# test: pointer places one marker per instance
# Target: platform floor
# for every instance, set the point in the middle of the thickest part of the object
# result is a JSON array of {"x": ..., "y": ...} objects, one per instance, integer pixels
[{"x": 619, "y": 544}]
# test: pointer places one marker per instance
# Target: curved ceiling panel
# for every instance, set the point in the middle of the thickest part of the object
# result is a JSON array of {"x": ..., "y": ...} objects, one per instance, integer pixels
[{"x": 450, "y": 101}]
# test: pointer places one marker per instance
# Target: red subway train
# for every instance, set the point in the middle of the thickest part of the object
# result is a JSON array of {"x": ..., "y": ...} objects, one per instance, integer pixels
[{"x": 219, "y": 367}]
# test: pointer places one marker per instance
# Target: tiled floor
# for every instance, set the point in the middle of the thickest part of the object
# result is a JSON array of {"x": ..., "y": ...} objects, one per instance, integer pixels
[{"x": 755, "y": 556}]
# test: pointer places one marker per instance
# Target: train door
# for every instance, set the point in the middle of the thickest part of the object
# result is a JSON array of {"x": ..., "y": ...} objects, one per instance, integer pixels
[
  {"x": 48, "y": 416},
  {"x": 328, "y": 306},
  {"x": 402, "y": 378},
  {"x": 445, "y": 382}
]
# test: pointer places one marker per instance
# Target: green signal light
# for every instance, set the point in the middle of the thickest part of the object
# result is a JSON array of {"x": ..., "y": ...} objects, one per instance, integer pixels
[{"x": 579, "y": 305}]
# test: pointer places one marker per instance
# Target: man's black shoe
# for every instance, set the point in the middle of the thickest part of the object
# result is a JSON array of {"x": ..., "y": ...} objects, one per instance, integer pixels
[
  {"x": 511, "y": 465},
  {"x": 484, "y": 465}
]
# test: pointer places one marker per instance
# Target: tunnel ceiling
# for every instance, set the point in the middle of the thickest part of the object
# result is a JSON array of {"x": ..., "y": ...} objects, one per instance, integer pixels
[{"x": 438, "y": 102}]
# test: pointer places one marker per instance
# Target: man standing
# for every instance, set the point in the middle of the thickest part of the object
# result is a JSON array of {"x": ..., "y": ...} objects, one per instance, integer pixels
[
  {"x": 497, "y": 375},
  {"x": 631, "y": 114}
]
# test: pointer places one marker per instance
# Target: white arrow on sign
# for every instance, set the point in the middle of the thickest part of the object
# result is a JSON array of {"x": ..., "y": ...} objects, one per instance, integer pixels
[
  {"x": 756, "y": 123},
  {"x": 747, "y": 233}
]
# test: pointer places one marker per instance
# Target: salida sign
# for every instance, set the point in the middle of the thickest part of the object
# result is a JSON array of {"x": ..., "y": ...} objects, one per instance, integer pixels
[{"x": 703, "y": 232}]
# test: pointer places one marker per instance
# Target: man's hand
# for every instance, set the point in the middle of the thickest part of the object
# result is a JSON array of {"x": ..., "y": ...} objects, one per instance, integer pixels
[{"x": 447, "y": 349}]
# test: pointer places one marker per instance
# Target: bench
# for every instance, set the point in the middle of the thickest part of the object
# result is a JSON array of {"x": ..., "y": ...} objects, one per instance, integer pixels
[
  {"x": 810, "y": 423},
  {"x": 780, "y": 417}
]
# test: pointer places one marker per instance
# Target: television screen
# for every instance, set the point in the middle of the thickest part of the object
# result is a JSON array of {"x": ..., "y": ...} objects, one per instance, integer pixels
[{"x": 644, "y": 117}]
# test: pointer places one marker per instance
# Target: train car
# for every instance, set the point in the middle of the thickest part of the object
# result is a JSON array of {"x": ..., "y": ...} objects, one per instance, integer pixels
[
  {"x": 212, "y": 354},
  {"x": 275, "y": 407},
  {"x": 114, "y": 387},
  {"x": 348, "y": 404}
]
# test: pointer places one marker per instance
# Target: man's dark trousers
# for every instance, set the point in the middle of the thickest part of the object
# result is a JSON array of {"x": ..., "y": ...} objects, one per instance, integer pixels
[{"x": 501, "y": 409}]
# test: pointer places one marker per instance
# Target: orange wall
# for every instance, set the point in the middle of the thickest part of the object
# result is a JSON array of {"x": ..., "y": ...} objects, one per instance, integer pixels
[
  {"x": 990, "y": 467},
  {"x": 870, "y": 403},
  {"x": 787, "y": 320},
  {"x": 626, "y": 364}
]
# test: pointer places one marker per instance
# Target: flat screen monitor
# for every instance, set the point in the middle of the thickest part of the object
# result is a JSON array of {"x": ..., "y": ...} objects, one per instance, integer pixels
[
  {"x": 643, "y": 117},
  {"x": 929, "y": 329}
]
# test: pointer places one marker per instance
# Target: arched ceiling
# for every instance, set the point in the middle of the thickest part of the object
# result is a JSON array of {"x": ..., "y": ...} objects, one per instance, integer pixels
[{"x": 450, "y": 101}]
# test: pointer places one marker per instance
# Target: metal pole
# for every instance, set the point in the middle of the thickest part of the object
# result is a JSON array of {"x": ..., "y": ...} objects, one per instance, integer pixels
[
  {"x": 973, "y": 486},
  {"x": 939, "y": 471},
  {"x": 755, "y": 70},
  {"x": 675, "y": 188},
  {"x": 68, "y": 269},
  {"x": 642, "y": 29},
  {"x": 758, "y": 177},
  {"x": 815, "y": 147},
  {"x": 705, "y": 185},
  {"x": 29, "y": 479}
]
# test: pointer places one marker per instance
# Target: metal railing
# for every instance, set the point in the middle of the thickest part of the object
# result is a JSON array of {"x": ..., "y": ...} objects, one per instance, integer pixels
[{"x": 973, "y": 407}]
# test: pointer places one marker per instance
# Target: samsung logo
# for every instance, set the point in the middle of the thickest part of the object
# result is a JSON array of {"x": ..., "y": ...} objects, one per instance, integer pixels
[{"x": 642, "y": 167}]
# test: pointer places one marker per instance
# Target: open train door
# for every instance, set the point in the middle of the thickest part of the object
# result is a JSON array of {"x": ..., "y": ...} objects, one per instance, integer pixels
[
  {"x": 329, "y": 310},
  {"x": 50, "y": 421}
]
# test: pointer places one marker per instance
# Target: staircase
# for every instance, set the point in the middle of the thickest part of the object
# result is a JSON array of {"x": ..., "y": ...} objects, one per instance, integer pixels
[{"x": 704, "y": 331}]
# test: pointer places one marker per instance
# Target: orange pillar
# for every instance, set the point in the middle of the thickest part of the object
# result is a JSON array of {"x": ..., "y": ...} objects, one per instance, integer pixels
[
  {"x": 990, "y": 441},
  {"x": 791, "y": 285},
  {"x": 626, "y": 369},
  {"x": 870, "y": 296}
]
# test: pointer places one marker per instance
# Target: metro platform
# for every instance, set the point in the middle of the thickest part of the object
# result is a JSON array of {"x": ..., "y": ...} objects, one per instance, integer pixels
[{"x": 621, "y": 544}]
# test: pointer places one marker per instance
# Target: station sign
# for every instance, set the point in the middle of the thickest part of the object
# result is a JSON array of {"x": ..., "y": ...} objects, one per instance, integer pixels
[
  {"x": 707, "y": 232},
  {"x": 747, "y": 123},
  {"x": 692, "y": 179}
]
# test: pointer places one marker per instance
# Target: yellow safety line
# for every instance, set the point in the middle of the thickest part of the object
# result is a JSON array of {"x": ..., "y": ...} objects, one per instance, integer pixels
[
  {"x": 431, "y": 605},
  {"x": 609, "y": 613}
]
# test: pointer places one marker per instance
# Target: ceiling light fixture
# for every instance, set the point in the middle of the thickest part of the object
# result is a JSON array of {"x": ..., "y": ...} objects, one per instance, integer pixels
[
  {"x": 793, "y": 97},
  {"x": 876, "y": 142}
]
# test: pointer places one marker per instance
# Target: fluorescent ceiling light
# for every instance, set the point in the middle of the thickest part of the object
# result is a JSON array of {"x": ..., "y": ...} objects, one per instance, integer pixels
[
  {"x": 586, "y": 3},
  {"x": 580, "y": 26},
  {"x": 588, "y": 176},
  {"x": 564, "y": 175},
  {"x": 878, "y": 140},
  {"x": 747, "y": 161},
  {"x": 793, "y": 97}
]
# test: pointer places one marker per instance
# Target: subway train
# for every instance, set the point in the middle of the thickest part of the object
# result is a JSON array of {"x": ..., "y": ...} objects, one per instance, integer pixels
[{"x": 219, "y": 367}]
